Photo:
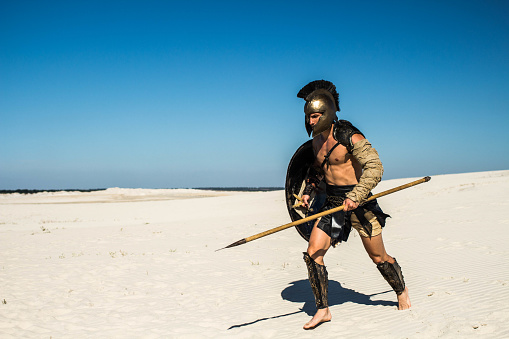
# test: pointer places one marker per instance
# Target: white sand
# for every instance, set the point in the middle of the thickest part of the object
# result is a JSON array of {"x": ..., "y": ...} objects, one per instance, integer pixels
[{"x": 141, "y": 264}]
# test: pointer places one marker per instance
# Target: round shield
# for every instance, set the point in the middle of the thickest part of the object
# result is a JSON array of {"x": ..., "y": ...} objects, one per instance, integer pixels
[{"x": 298, "y": 171}]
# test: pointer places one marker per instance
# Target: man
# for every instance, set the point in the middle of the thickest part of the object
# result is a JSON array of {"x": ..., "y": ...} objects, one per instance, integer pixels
[{"x": 351, "y": 168}]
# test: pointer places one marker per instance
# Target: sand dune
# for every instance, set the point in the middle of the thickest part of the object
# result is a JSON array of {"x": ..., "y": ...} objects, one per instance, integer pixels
[{"x": 127, "y": 263}]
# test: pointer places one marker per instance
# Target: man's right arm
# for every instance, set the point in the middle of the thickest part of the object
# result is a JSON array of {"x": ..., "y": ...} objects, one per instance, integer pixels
[{"x": 312, "y": 181}]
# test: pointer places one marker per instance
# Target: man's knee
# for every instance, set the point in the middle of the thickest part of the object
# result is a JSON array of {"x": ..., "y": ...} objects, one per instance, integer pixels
[
  {"x": 377, "y": 259},
  {"x": 315, "y": 251},
  {"x": 316, "y": 254}
]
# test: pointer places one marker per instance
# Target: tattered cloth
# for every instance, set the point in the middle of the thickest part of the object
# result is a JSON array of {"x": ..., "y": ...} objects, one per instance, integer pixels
[{"x": 338, "y": 225}]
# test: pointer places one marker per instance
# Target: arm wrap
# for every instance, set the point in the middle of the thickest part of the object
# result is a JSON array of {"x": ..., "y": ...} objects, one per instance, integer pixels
[
  {"x": 308, "y": 189},
  {"x": 372, "y": 170},
  {"x": 312, "y": 181}
]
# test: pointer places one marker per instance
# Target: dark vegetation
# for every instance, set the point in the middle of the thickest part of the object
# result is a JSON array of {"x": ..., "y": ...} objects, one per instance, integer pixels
[
  {"x": 236, "y": 189},
  {"x": 27, "y": 191}
]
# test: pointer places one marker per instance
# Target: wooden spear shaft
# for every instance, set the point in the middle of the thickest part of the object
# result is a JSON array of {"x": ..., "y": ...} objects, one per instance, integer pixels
[{"x": 321, "y": 214}]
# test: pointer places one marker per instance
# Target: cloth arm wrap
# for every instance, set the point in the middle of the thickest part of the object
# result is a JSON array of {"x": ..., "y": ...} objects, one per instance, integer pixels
[{"x": 372, "y": 170}]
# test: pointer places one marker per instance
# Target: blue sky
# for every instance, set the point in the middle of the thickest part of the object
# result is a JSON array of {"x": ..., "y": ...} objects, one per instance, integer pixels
[{"x": 163, "y": 94}]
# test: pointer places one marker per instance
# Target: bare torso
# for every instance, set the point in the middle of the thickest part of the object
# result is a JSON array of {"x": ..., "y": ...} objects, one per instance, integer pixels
[{"x": 343, "y": 168}]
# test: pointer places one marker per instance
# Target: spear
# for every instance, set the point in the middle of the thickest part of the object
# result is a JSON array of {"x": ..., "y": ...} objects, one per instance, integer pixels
[{"x": 321, "y": 214}]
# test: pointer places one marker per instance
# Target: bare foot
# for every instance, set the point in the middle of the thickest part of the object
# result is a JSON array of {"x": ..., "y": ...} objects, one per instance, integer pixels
[
  {"x": 321, "y": 316},
  {"x": 404, "y": 300}
]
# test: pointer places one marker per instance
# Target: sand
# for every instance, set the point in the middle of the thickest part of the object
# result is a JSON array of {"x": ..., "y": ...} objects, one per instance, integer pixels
[{"x": 133, "y": 263}]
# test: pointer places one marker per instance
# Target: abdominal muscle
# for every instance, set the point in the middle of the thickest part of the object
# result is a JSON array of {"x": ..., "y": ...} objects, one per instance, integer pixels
[{"x": 342, "y": 174}]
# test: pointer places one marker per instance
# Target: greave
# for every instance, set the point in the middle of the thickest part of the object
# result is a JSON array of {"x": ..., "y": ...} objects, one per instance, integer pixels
[
  {"x": 392, "y": 273},
  {"x": 318, "y": 278}
]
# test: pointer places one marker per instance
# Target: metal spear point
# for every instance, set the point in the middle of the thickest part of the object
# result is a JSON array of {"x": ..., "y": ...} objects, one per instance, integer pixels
[{"x": 321, "y": 214}]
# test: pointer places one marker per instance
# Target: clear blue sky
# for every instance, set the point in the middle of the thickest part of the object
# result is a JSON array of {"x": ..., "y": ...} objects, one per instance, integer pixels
[{"x": 162, "y": 94}]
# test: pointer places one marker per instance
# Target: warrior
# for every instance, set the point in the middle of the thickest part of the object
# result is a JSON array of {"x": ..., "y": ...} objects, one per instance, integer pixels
[{"x": 350, "y": 168}]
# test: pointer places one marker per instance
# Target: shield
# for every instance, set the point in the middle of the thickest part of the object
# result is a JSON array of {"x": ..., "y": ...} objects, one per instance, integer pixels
[{"x": 298, "y": 171}]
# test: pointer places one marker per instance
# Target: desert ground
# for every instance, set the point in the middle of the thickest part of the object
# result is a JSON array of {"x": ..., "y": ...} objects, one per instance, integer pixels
[{"x": 139, "y": 263}]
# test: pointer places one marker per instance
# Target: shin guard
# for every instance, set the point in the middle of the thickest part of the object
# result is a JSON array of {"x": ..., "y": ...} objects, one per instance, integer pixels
[
  {"x": 318, "y": 278},
  {"x": 392, "y": 273}
]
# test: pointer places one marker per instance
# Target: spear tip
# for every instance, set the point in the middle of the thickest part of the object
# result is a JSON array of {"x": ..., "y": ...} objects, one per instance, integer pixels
[{"x": 237, "y": 243}]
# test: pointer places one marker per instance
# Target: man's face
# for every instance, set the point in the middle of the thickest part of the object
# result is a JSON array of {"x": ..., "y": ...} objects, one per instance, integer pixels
[{"x": 313, "y": 118}]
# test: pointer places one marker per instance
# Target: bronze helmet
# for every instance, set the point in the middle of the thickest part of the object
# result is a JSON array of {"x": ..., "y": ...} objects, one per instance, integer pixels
[{"x": 321, "y": 97}]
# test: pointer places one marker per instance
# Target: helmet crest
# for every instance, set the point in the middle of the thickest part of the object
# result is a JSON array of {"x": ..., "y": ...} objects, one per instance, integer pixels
[{"x": 319, "y": 84}]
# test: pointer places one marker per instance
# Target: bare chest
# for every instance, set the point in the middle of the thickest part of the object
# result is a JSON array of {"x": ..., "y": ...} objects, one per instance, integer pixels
[{"x": 330, "y": 153}]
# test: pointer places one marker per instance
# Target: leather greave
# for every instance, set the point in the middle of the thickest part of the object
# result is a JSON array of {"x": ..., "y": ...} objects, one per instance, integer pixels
[
  {"x": 392, "y": 273},
  {"x": 319, "y": 280}
]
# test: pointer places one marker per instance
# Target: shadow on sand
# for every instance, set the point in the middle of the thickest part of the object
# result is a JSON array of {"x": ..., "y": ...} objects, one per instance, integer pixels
[{"x": 300, "y": 292}]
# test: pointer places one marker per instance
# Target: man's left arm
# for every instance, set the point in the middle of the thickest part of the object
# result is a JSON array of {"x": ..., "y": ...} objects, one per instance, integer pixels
[{"x": 372, "y": 171}]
